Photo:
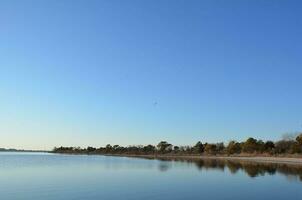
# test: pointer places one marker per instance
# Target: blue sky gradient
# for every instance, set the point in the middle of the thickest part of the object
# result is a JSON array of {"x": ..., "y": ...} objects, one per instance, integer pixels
[{"x": 80, "y": 73}]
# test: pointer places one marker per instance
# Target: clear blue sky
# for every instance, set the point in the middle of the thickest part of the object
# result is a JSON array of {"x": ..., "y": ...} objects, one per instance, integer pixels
[{"x": 81, "y": 73}]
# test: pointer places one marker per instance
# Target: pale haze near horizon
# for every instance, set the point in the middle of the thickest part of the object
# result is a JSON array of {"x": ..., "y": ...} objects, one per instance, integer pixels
[{"x": 88, "y": 73}]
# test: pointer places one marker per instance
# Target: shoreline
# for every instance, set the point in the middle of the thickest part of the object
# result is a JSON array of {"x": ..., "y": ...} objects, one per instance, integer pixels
[{"x": 256, "y": 159}]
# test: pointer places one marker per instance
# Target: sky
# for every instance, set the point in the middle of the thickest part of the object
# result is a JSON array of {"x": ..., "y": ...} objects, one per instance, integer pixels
[{"x": 89, "y": 73}]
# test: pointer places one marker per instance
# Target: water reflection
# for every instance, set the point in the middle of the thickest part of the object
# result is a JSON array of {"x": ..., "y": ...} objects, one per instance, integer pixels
[
  {"x": 252, "y": 169},
  {"x": 164, "y": 166},
  {"x": 60, "y": 177}
]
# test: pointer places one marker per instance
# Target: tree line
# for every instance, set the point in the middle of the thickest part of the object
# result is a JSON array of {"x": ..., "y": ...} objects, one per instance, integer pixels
[{"x": 250, "y": 146}]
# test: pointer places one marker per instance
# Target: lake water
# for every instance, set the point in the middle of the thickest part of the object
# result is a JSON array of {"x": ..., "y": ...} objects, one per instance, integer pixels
[{"x": 41, "y": 176}]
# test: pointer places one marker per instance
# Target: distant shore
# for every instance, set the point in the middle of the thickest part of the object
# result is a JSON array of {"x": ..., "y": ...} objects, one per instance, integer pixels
[
  {"x": 22, "y": 150},
  {"x": 288, "y": 151},
  {"x": 259, "y": 159}
]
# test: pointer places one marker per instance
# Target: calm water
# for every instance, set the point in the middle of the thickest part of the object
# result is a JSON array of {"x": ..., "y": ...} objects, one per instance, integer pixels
[{"x": 37, "y": 176}]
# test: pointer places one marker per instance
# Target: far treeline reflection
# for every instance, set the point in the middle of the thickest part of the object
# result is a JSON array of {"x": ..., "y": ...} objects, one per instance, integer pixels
[{"x": 252, "y": 169}]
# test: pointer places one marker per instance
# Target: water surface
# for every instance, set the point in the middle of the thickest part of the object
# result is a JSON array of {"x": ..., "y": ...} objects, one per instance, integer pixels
[{"x": 41, "y": 176}]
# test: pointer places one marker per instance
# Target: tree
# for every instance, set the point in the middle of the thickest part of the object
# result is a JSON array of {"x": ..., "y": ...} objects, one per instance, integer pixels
[
  {"x": 220, "y": 147},
  {"x": 250, "y": 145},
  {"x": 164, "y": 146},
  {"x": 233, "y": 147},
  {"x": 288, "y": 136},
  {"x": 260, "y": 146},
  {"x": 269, "y": 146},
  {"x": 90, "y": 149},
  {"x": 299, "y": 139},
  {"x": 176, "y": 149},
  {"x": 295, "y": 148},
  {"x": 108, "y": 148},
  {"x": 283, "y": 146},
  {"x": 198, "y": 148},
  {"x": 149, "y": 148},
  {"x": 210, "y": 148}
]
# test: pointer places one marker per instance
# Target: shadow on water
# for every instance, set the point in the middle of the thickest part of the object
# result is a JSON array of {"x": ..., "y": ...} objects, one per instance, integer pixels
[{"x": 252, "y": 169}]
